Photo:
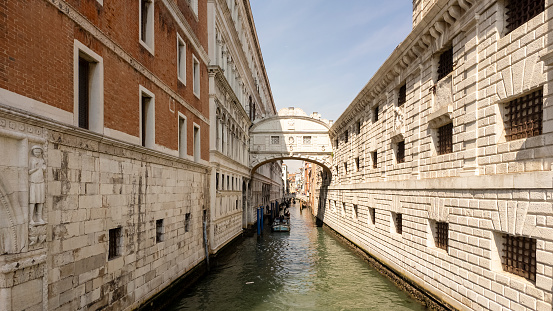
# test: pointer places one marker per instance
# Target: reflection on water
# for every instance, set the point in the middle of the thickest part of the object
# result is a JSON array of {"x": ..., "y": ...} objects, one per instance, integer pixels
[{"x": 306, "y": 269}]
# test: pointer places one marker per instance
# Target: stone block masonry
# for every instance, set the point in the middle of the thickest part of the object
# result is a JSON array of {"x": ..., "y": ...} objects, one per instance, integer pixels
[
  {"x": 95, "y": 185},
  {"x": 471, "y": 224}
]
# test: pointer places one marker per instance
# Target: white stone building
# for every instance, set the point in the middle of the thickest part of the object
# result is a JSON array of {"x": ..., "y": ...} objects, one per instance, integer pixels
[
  {"x": 239, "y": 94},
  {"x": 442, "y": 163}
]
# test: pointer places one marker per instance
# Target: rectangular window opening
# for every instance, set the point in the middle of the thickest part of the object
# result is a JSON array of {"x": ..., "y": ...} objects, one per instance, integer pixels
[
  {"x": 400, "y": 154},
  {"x": 375, "y": 113},
  {"x": 372, "y": 215},
  {"x": 196, "y": 76},
  {"x": 196, "y": 143},
  {"x": 346, "y": 136},
  {"x": 445, "y": 63},
  {"x": 147, "y": 120},
  {"x": 375, "y": 159},
  {"x": 159, "y": 231},
  {"x": 519, "y": 256},
  {"x": 182, "y": 137},
  {"x": 187, "y": 219},
  {"x": 307, "y": 140},
  {"x": 147, "y": 22},
  {"x": 442, "y": 235},
  {"x": 115, "y": 244},
  {"x": 181, "y": 60},
  {"x": 445, "y": 139},
  {"x": 521, "y": 11},
  {"x": 398, "y": 222},
  {"x": 84, "y": 93},
  {"x": 275, "y": 140},
  {"x": 524, "y": 115},
  {"x": 402, "y": 95}
]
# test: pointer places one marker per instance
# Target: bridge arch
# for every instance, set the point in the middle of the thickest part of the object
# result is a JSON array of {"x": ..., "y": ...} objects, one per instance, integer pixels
[{"x": 291, "y": 135}]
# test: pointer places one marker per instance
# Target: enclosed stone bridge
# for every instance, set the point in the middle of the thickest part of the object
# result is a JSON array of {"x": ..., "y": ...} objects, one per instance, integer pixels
[{"x": 291, "y": 135}]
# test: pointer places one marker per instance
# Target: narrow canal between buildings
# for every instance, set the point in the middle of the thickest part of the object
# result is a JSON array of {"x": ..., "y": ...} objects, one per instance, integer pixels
[{"x": 306, "y": 269}]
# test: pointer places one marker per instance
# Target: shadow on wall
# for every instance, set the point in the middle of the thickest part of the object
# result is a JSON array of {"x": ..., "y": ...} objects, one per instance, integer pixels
[{"x": 323, "y": 196}]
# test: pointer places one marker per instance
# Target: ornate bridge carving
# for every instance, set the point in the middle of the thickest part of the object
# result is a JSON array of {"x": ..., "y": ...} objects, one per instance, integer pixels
[{"x": 291, "y": 134}]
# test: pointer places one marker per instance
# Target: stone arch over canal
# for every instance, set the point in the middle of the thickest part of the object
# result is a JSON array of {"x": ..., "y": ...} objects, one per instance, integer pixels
[{"x": 291, "y": 135}]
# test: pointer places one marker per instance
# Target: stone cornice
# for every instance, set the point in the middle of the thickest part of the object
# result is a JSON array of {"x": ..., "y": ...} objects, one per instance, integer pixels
[
  {"x": 95, "y": 32},
  {"x": 427, "y": 34}
]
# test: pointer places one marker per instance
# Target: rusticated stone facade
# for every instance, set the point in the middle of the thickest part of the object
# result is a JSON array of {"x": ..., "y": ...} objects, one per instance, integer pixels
[{"x": 440, "y": 169}]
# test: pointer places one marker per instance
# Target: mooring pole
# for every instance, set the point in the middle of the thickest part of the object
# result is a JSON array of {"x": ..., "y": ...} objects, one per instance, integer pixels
[
  {"x": 262, "y": 215},
  {"x": 258, "y": 223}
]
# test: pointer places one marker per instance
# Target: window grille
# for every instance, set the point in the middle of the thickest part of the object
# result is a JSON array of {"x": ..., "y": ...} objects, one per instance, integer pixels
[
  {"x": 375, "y": 113},
  {"x": 114, "y": 249},
  {"x": 275, "y": 140},
  {"x": 375, "y": 161},
  {"x": 401, "y": 152},
  {"x": 521, "y": 11},
  {"x": 445, "y": 65},
  {"x": 346, "y": 134},
  {"x": 358, "y": 127},
  {"x": 399, "y": 227},
  {"x": 357, "y": 163},
  {"x": 346, "y": 167},
  {"x": 355, "y": 212},
  {"x": 445, "y": 139},
  {"x": 524, "y": 115},
  {"x": 442, "y": 229},
  {"x": 519, "y": 256},
  {"x": 402, "y": 95},
  {"x": 307, "y": 140}
]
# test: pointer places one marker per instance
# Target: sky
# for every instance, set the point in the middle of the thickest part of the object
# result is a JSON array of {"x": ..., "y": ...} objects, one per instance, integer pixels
[{"x": 319, "y": 54}]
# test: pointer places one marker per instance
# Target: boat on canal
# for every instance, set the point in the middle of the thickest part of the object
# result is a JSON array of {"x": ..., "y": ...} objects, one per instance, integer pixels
[{"x": 281, "y": 224}]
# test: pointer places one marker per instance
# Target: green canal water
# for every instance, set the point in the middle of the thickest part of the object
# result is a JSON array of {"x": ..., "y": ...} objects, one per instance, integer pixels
[{"x": 306, "y": 269}]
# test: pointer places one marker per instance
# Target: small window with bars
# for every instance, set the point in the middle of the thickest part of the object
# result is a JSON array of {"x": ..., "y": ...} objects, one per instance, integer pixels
[
  {"x": 519, "y": 256},
  {"x": 307, "y": 140},
  {"x": 346, "y": 136},
  {"x": 442, "y": 235},
  {"x": 114, "y": 247},
  {"x": 159, "y": 231},
  {"x": 275, "y": 140},
  {"x": 346, "y": 167},
  {"x": 521, "y": 11},
  {"x": 445, "y": 139},
  {"x": 358, "y": 127},
  {"x": 375, "y": 159},
  {"x": 357, "y": 165},
  {"x": 523, "y": 116},
  {"x": 402, "y": 95},
  {"x": 400, "y": 154},
  {"x": 445, "y": 63},
  {"x": 355, "y": 211},
  {"x": 375, "y": 114}
]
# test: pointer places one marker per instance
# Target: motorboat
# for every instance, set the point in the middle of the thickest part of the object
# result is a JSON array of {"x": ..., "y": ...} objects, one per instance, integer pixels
[{"x": 281, "y": 225}]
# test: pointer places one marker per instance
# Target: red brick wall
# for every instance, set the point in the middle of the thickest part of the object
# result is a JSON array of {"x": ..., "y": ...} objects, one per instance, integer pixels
[{"x": 36, "y": 60}]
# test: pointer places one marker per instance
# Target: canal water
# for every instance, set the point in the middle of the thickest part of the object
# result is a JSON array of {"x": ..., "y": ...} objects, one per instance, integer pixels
[{"x": 306, "y": 269}]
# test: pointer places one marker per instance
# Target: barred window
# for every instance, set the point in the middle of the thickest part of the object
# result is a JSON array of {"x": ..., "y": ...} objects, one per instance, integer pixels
[
  {"x": 357, "y": 164},
  {"x": 275, "y": 140},
  {"x": 358, "y": 127},
  {"x": 519, "y": 256},
  {"x": 402, "y": 95},
  {"x": 346, "y": 135},
  {"x": 346, "y": 167},
  {"x": 375, "y": 160},
  {"x": 442, "y": 233},
  {"x": 307, "y": 140},
  {"x": 355, "y": 211},
  {"x": 375, "y": 114},
  {"x": 523, "y": 117},
  {"x": 445, "y": 65},
  {"x": 521, "y": 11},
  {"x": 114, "y": 243},
  {"x": 400, "y": 152},
  {"x": 445, "y": 139}
]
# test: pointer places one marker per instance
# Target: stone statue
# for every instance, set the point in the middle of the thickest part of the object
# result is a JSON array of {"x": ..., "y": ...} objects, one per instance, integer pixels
[
  {"x": 398, "y": 117},
  {"x": 37, "y": 194}
]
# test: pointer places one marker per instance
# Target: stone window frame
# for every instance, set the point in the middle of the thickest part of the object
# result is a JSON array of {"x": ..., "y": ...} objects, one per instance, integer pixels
[
  {"x": 440, "y": 140},
  {"x": 196, "y": 142},
  {"x": 183, "y": 135},
  {"x": 181, "y": 60},
  {"x": 371, "y": 216},
  {"x": 146, "y": 27},
  {"x": 396, "y": 225},
  {"x": 150, "y": 115},
  {"x": 436, "y": 236},
  {"x": 193, "y": 7},
  {"x": 503, "y": 113},
  {"x": 196, "y": 76},
  {"x": 96, "y": 89},
  {"x": 498, "y": 256}
]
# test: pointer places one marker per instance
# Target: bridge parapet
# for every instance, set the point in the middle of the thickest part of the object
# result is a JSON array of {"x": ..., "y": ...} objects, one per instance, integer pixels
[{"x": 291, "y": 134}]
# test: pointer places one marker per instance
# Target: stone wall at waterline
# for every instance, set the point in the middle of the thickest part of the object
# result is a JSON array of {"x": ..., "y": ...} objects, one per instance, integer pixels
[
  {"x": 442, "y": 163},
  {"x": 94, "y": 185}
]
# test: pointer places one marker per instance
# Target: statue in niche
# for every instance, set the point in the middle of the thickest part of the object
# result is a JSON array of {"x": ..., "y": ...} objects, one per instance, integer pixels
[{"x": 37, "y": 193}]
